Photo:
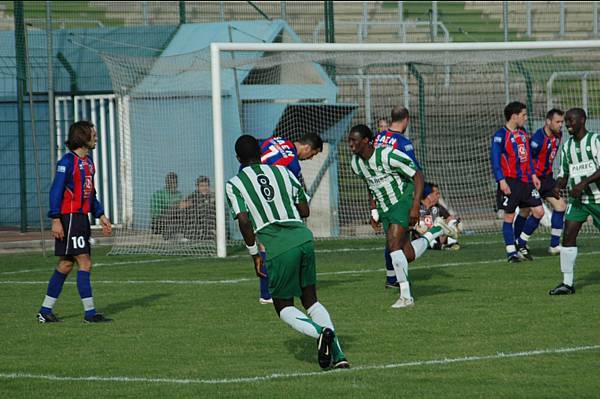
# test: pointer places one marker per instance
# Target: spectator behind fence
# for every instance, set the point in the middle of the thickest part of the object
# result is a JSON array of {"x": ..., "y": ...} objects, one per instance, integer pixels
[
  {"x": 165, "y": 208},
  {"x": 199, "y": 211}
]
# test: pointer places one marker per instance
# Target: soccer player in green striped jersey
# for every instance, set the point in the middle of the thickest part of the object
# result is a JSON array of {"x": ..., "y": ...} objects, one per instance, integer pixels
[
  {"x": 395, "y": 187},
  {"x": 269, "y": 204},
  {"x": 580, "y": 171}
]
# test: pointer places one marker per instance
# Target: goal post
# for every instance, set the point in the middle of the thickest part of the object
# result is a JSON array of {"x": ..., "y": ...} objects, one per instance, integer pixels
[{"x": 427, "y": 53}]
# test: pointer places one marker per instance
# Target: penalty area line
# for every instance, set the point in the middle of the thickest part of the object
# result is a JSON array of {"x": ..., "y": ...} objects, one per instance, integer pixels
[{"x": 279, "y": 376}]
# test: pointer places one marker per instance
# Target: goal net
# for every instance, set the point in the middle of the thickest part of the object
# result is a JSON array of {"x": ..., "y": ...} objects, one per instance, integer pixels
[{"x": 170, "y": 142}]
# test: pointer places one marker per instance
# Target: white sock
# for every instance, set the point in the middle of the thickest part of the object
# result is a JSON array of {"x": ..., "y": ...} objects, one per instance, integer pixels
[
  {"x": 299, "y": 321},
  {"x": 419, "y": 245},
  {"x": 433, "y": 233},
  {"x": 401, "y": 268},
  {"x": 320, "y": 315},
  {"x": 567, "y": 264}
]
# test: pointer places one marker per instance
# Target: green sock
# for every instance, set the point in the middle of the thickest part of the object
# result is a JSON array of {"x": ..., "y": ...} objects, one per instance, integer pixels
[{"x": 338, "y": 354}]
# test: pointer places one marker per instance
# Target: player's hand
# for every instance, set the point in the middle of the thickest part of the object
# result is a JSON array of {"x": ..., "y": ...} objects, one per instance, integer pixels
[
  {"x": 556, "y": 192},
  {"x": 258, "y": 265},
  {"x": 57, "y": 230},
  {"x": 504, "y": 187},
  {"x": 578, "y": 190},
  {"x": 106, "y": 226},
  {"x": 414, "y": 216},
  {"x": 536, "y": 182},
  {"x": 375, "y": 225}
]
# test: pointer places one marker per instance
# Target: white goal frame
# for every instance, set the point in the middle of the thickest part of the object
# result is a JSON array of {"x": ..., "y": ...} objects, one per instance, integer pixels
[{"x": 215, "y": 52}]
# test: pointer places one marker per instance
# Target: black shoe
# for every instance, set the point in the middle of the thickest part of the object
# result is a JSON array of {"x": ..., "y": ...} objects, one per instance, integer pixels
[
  {"x": 47, "y": 318},
  {"x": 97, "y": 318},
  {"x": 392, "y": 285},
  {"x": 562, "y": 289},
  {"x": 341, "y": 364},
  {"x": 325, "y": 347},
  {"x": 524, "y": 252},
  {"x": 514, "y": 259}
]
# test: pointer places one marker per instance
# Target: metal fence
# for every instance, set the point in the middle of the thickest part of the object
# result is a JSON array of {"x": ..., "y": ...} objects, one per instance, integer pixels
[{"x": 64, "y": 37}]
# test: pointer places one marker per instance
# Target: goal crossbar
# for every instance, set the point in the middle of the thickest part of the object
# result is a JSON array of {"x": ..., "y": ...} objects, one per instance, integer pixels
[{"x": 216, "y": 48}]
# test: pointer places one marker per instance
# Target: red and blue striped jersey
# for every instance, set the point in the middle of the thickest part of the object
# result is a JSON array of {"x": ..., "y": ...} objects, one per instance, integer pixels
[
  {"x": 543, "y": 150},
  {"x": 73, "y": 189},
  {"x": 398, "y": 141},
  {"x": 511, "y": 155},
  {"x": 279, "y": 151}
]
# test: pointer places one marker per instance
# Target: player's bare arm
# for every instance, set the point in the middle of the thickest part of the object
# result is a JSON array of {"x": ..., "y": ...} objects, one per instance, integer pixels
[
  {"x": 250, "y": 240},
  {"x": 57, "y": 230},
  {"x": 374, "y": 219},
  {"x": 504, "y": 187},
  {"x": 106, "y": 225},
  {"x": 582, "y": 185},
  {"x": 419, "y": 182}
]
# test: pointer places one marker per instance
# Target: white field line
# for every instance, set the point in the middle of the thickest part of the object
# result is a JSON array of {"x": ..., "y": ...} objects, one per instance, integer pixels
[
  {"x": 253, "y": 279},
  {"x": 191, "y": 258},
  {"x": 278, "y": 376}
]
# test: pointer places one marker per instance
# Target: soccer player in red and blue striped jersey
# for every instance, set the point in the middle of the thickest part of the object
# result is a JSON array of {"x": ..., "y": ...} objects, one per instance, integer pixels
[
  {"x": 72, "y": 198},
  {"x": 544, "y": 147},
  {"x": 280, "y": 151},
  {"x": 513, "y": 169}
]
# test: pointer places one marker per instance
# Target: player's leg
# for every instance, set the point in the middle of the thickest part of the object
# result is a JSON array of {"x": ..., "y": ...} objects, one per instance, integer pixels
[
  {"x": 55, "y": 285},
  {"x": 318, "y": 313},
  {"x": 520, "y": 220},
  {"x": 568, "y": 255},
  {"x": 557, "y": 221},
  {"x": 416, "y": 248},
  {"x": 576, "y": 215},
  {"x": 84, "y": 287},
  {"x": 397, "y": 240},
  {"x": 390, "y": 274},
  {"x": 284, "y": 284},
  {"x": 529, "y": 196},
  {"x": 509, "y": 203},
  {"x": 263, "y": 284}
]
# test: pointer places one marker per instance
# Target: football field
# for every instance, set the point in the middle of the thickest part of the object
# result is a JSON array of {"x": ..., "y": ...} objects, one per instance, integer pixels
[{"x": 190, "y": 327}]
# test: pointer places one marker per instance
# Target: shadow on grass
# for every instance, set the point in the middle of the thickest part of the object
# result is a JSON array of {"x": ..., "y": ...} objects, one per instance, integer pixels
[
  {"x": 304, "y": 348},
  {"x": 118, "y": 307},
  {"x": 143, "y": 302},
  {"x": 592, "y": 278}
]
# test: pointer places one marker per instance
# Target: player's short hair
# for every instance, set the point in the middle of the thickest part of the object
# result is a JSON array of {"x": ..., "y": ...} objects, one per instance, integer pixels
[
  {"x": 202, "y": 179},
  {"x": 363, "y": 130},
  {"x": 579, "y": 112},
  {"x": 313, "y": 140},
  {"x": 554, "y": 111},
  {"x": 513, "y": 108},
  {"x": 80, "y": 134},
  {"x": 247, "y": 148},
  {"x": 399, "y": 113},
  {"x": 171, "y": 177}
]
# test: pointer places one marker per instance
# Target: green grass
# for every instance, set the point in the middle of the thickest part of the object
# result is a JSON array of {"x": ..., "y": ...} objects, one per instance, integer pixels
[{"x": 469, "y": 303}]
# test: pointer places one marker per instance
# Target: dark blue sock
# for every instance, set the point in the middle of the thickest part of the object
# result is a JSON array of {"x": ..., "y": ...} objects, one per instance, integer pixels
[
  {"x": 557, "y": 226},
  {"x": 55, "y": 286},
  {"x": 530, "y": 226},
  {"x": 509, "y": 237},
  {"x": 390, "y": 277},
  {"x": 518, "y": 225},
  {"x": 264, "y": 281},
  {"x": 84, "y": 287}
]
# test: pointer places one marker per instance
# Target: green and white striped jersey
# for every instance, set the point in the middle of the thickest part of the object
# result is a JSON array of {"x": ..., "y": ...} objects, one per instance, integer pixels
[
  {"x": 387, "y": 173},
  {"x": 580, "y": 160},
  {"x": 267, "y": 192}
]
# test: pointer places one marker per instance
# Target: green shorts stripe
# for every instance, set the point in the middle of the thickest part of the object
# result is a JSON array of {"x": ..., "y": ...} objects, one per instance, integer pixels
[{"x": 578, "y": 212}]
